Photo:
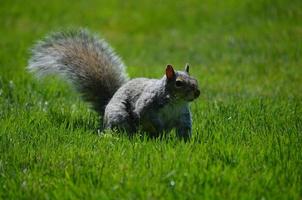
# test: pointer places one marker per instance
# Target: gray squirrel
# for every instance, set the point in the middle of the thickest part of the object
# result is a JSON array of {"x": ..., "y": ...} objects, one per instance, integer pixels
[{"x": 153, "y": 106}]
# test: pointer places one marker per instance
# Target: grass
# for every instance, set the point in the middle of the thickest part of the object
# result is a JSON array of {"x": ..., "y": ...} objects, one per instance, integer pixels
[{"x": 247, "y": 123}]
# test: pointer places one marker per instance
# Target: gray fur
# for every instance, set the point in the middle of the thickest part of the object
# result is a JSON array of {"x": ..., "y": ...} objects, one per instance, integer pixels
[
  {"x": 87, "y": 62},
  {"x": 151, "y": 105}
]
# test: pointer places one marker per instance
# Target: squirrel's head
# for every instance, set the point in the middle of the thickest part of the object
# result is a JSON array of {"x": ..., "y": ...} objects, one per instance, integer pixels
[{"x": 181, "y": 84}]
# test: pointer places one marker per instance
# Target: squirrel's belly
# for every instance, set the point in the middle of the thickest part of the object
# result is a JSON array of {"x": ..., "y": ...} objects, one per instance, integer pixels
[
  {"x": 164, "y": 119},
  {"x": 149, "y": 127}
]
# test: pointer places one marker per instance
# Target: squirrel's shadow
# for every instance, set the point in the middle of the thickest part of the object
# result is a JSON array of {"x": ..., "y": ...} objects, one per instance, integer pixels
[
  {"x": 71, "y": 122},
  {"x": 165, "y": 137}
]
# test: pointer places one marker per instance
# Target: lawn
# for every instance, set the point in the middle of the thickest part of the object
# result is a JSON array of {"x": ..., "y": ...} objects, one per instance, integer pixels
[{"x": 247, "y": 129}]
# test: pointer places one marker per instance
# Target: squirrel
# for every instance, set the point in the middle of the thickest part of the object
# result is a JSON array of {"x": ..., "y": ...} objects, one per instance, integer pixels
[{"x": 153, "y": 106}]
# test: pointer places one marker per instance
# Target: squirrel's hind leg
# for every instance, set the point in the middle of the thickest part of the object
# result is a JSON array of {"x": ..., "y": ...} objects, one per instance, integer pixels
[{"x": 117, "y": 116}]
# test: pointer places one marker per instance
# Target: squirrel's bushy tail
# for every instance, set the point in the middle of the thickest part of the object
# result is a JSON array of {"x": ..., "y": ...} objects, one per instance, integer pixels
[{"x": 89, "y": 63}]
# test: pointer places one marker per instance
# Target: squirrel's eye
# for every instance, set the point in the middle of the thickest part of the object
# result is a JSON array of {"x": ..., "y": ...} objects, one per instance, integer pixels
[{"x": 179, "y": 83}]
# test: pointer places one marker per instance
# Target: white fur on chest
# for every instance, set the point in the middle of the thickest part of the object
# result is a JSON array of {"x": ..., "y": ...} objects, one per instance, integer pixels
[{"x": 170, "y": 114}]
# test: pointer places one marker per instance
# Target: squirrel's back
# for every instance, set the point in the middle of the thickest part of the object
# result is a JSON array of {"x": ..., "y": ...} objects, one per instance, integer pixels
[{"x": 88, "y": 62}]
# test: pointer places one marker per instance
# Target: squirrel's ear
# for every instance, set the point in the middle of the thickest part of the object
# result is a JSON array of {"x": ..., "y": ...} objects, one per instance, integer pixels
[
  {"x": 187, "y": 68},
  {"x": 170, "y": 72}
]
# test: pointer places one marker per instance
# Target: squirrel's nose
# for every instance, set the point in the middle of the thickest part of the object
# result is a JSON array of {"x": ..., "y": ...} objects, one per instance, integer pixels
[{"x": 197, "y": 93}]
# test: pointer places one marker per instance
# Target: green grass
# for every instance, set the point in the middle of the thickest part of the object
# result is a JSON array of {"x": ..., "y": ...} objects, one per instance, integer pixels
[{"x": 247, "y": 130}]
